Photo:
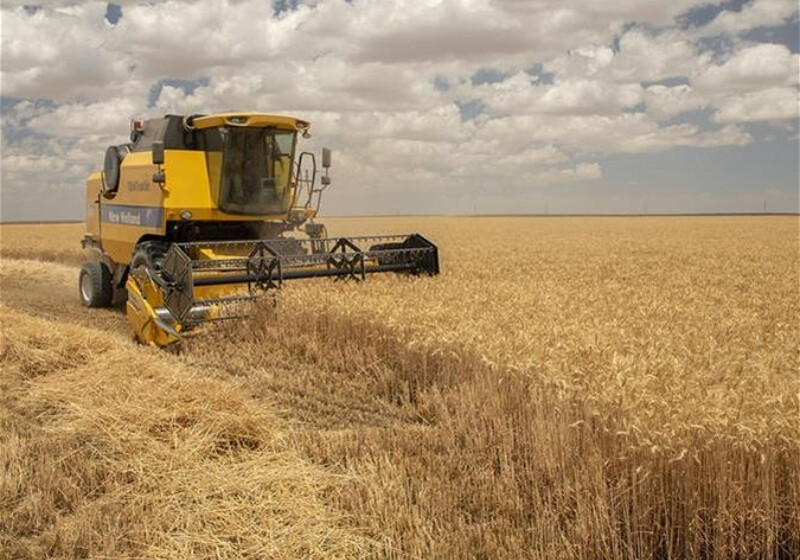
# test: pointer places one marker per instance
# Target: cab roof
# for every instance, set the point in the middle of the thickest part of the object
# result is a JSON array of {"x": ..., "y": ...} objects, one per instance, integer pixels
[
  {"x": 172, "y": 129},
  {"x": 250, "y": 120}
]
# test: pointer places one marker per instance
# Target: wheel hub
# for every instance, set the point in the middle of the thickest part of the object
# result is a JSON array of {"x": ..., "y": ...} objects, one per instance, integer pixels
[{"x": 86, "y": 287}]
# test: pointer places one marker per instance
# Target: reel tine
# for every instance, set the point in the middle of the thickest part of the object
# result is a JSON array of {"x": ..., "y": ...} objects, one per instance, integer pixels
[{"x": 263, "y": 265}]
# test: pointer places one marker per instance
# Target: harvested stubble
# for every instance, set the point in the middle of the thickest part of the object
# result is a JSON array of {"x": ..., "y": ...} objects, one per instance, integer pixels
[
  {"x": 111, "y": 450},
  {"x": 613, "y": 388}
]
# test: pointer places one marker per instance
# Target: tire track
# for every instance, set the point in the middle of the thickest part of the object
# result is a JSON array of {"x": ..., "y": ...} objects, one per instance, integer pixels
[{"x": 49, "y": 290}]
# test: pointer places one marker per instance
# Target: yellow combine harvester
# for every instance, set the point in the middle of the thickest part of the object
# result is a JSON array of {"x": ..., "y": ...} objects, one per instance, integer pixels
[{"x": 190, "y": 216}]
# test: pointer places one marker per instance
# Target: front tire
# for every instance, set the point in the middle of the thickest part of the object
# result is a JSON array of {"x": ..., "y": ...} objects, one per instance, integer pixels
[
  {"x": 150, "y": 255},
  {"x": 94, "y": 285}
]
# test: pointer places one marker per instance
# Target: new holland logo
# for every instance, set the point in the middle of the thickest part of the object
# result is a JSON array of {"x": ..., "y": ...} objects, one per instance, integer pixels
[{"x": 142, "y": 216}]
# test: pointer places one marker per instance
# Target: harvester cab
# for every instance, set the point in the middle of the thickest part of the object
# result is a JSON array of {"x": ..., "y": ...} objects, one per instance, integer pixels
[{"x": 191, "y": 217}]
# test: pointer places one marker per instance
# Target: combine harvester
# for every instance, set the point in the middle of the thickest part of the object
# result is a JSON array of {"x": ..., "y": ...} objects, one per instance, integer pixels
[{"x": 190, "y": 217}]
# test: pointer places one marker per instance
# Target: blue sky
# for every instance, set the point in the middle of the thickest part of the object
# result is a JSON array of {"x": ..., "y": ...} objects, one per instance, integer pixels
[{"x": 435, "y": 106}]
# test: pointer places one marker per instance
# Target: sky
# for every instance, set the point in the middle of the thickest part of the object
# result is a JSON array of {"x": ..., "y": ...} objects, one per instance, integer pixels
[{"x": 430, "y": 106}]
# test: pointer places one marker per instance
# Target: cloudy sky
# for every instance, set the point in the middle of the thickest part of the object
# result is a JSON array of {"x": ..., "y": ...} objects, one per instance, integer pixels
[{"x": 431, "y": 106}]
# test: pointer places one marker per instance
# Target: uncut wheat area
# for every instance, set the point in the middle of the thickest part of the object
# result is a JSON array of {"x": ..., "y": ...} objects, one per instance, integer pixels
[{"x": 566, "y": 388}]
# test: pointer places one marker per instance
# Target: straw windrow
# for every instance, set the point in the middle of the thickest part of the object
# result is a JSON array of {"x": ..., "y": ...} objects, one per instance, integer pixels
[{"x": 113, "y": 450}]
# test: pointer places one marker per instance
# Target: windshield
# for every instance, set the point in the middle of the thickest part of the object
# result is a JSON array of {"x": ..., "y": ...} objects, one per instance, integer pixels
[{"x": 256, "y": 170}]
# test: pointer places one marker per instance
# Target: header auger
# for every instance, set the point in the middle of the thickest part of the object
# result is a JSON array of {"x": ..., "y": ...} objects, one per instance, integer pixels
[{"x": 189, "y": 219}]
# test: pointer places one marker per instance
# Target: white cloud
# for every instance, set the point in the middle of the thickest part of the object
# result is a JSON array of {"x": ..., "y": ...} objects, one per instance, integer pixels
[
  {"x": 759, "y": 13},
  {"x": 78, "y": 120},
  {"x": 766, "y": 105},
  {"x": 656, "y": 12},
  {"x": 533, "y": 157},
  {"x": 435, "y": 30},
  {"x": 641, "y": 56},
  {"x": 581, "y": 172},
  {"x": 61, "y": 54},
  {"x": 664, "y": 102},
  {"x": 751, "y": 68},
  {"x": 519, "y": 94},
  {"x": 589, "y": 97},
  {"x": 623, "y": 133},
  {"x": 582, "y": 62},
  {"x": 645, "y": 56}
]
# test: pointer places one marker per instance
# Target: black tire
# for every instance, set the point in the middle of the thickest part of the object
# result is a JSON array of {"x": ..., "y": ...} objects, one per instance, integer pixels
[
  {"x": 150, "y": 255},
  {"x": 94, "y": 285},
  {"x": 140, "y": 260}
]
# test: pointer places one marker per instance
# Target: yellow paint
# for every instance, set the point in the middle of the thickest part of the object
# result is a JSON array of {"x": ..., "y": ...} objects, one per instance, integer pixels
[
  {"x": 94, "y": 186},
  {"x": 136, "y": 186},
  {"x": 143, "y": 299},
  {"x": 188, "y": 186},
  {"x": 214, "y": 167},
  {"x": 251, "y": 120}
]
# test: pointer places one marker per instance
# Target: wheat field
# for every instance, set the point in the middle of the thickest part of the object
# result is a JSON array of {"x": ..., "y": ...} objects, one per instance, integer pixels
[{"x": 566, "y": 388}]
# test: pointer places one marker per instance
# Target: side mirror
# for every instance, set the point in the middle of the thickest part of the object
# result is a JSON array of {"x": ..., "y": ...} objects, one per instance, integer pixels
[
  {"x": 326, "y": 158},
  {"x": 158, "y": 153}
]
